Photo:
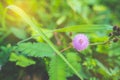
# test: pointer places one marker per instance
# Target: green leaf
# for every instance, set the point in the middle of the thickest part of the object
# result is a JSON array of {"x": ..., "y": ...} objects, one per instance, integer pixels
[
  {"x": 74, "y": 59},
  {"x": 61, "y": 20},
  {"x": 13, "y": 57},
  {"x": 114, "y": 49},
  {"x": 24, "y": 62},
  {"x": 19, "y": 33},
  {"x": 57, "y": 69},
  {"x": 35, "y": 49},
  {"x": 85, "y": 28},
  {"x": 4, "y": 54},
  {"x": 90, "y": 63},
  {"x": 76, "y": 5},
  {"x": 21, "y": 60}
]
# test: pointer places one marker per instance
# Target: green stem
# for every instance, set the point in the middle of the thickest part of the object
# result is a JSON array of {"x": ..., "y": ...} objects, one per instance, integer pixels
[
  {"x": 39, "y": 30},
  {"x": 27, "y": 39},
  {"x": 21, "y": 74},
  {"x": 102, "y": 43}
]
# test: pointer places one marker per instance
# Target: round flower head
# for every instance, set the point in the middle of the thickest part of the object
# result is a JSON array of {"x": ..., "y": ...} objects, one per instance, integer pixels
[{"x": 80, "y": 42}]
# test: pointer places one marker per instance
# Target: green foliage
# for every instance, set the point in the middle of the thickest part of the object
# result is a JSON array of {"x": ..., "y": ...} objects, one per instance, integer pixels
[
  {"x": 74, "y": 59},
  {"x": 27, "y": 19},
  {"x": 19, "y": 33},
  {"x": 4, "y": 54},
  {"x": 75, "y": 5},
  {"x": 35, "y": 49},
  {"x": 104, "y": 69},
  {"x": 92, "y": 17},
  {"x": 21, "y": 60},
  {"x": 90, "y": 63},
  {"x": 108, "y": 72},
  {"x": 57, "y": 69},
  {"x": 114, "y": 49},
  {"x": 38, "y": 36},
  {"x": 114, "y": 10}
]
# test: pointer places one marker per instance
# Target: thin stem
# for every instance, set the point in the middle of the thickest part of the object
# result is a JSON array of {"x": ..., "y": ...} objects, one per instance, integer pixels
[
  {"x": 27, "y": 39},
  {"x": 21, "y": 73},
  {"x": 66, "y": 48},
  {"x": 31, "y": 37},
  {"x": 57, "y": 38},
  {"x": 102, "y": 43}
]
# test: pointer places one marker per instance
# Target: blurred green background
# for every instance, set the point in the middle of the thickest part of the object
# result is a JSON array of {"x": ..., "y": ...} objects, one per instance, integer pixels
[{"x": 54, "y": 14}]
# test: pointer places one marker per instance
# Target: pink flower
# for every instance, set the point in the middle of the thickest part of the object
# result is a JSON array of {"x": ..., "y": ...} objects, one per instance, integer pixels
[{"x": 80, "y": 42}]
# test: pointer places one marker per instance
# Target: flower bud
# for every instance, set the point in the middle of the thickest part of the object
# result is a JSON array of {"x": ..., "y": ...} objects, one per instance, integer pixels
[
  {"x": 115, "y": 28},
  {"x": 115, "y": 39},
  {"x": 110, "y": 34}
]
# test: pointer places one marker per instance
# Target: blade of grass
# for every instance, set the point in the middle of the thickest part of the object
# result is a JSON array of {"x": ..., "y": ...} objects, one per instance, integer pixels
[
  {"x": 26, "y": 18},
  {"x": 103, "y": 67},
  {"x": 85, "y": 28}
]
